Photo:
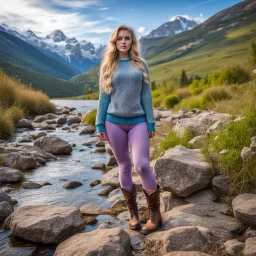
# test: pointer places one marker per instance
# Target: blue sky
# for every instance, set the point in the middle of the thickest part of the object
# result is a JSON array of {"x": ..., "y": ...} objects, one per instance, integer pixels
[{"x": 94, "y": 20}]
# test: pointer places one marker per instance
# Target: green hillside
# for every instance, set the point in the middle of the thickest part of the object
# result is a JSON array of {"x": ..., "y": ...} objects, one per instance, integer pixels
[
  {"x": 53, "y": 87},
  {"x": 18, "y": 52},
  {"x": 223, "y": 43}
]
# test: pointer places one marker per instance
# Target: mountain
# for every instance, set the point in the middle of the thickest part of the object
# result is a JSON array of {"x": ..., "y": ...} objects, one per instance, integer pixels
[
  {"x": 203, "y": 50},
  {"x": 176, "y": 26},
  {"x": 80, "y": 56}
]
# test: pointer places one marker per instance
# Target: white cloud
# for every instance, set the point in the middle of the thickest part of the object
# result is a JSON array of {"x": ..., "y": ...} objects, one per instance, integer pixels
[
  {"x": 198, "y": 19},
  {"x": 103, "y": 9},
  {"x": 44, "y": 18},
  {"x": 141, "y": 31}
]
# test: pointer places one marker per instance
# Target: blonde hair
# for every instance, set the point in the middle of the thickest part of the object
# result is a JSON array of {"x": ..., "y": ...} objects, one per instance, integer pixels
[{"x": 111, "y": 58}]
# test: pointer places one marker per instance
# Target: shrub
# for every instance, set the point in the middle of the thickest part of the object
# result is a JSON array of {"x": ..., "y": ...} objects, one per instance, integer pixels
[
  {"x": 14, "y": 114},
  {"x": 156, "y": 94},
  {"x": 6, "y": 125},
  {"x": 183, "y": 93},
  {"x": 90, "y": 117},
  {"x": 171, "y": 100}
]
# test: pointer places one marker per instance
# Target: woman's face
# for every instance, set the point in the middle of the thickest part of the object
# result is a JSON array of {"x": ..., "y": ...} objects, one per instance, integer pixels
[{"x": 124, "y": 41}]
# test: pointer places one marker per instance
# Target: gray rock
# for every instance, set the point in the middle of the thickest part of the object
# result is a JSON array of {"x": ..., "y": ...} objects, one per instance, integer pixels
[
  {"x": 189, "y": 238},
  {"x": 61, "y": 120},
  {"x": 100, "y": 144},
  {"x": 37, "y": 135},
  {"x": 233, "y": 247},
  {"x": 197, "y": 141},
  {"x": 48, "y": 126},
  {"x": 99, "y": 166},
  {"x": 87, "y": 130},
  {"x": 204, "y": 196},
  {"x": 167, "y": 202},
  {"x": 50, "y": 116},
  {"x": 73, "y": 184},
  {"x": 5, "y": 197},
  {"x": 250, "y": 247},
  {"x": 25, "y": 123},
  {"x": 39, "y": 119},
  {"x": 108, "y": 149},
  {"x": 182, "y": 171},
  {"x": 111, "y": 178},
  {"x": 180, "y": 253},
  {"x": 112, "y": 161},
  {"x": 53, "y": 145},
  {"x": 9, "y": 175},
  {"x": 220, "y": 186},
  {"x": 113, "y": 241},
  {"x": 244, "y": 208},
  {"x": 51, "y": 121},
  {"x": 99, "y": 150},
  {"x": 253, "y": 144},
  {"x": 212, "y": 216},
  {"x": 21, "y": 160},
  {"x": 5, "y": 210},
  {"x": 30, "y": 185},
  {"x": 91, "y": 210},
  {"x": 74, "y": 120},
  {"x": 46, "y": 223}
]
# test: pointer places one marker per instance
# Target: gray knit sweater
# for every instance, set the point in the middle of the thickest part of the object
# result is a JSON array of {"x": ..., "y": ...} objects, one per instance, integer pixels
[{"x": 130, "y": 100}]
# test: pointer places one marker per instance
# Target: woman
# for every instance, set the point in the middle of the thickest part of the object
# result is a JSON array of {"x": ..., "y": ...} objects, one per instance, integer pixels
[{"x": 125, "y": 115}]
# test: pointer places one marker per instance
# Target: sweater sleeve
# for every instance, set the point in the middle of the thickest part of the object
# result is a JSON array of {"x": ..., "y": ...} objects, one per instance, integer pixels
[
  {"x": 146, "y": 101},
  {"x": 104, "y": 100}
]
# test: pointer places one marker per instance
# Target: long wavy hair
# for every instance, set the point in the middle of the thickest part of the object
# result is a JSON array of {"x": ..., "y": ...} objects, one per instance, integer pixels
[{"x": 110, "y": 60}]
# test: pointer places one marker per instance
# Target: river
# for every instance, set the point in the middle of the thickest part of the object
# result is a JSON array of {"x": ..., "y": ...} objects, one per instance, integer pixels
[{"x": 76, "y": 166}]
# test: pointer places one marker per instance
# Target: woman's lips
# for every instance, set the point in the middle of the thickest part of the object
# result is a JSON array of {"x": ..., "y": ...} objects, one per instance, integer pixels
[{"x": 123, "y": 46}]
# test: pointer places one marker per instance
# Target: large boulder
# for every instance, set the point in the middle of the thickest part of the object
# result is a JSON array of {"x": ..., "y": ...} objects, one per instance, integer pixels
[
  {"x": 244, "y": 208},
  {"x": 53, "y": 145},
  {"x": 5, "y": 210},
  {"x": 114, "y": 241},
  {"x": 5, "y": 197},
  {"x": 189, "y": 238},
  {"x": 212, "y": 216},
  {"x": 20, "y": 160},
  {"x": 182, "y": 171},
  {"x": 46, "y": 223},
  {"x": 250, "y": 247},
  {"x": 9, "y": 175},
  {"x": 111, "y": 178},
  {"x": 24, "y": 123}
]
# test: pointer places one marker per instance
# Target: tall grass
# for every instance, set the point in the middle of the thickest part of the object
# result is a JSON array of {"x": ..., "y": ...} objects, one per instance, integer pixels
[
  {"x": 90, "y": 117},
  {"x": 17, "y": 100}
]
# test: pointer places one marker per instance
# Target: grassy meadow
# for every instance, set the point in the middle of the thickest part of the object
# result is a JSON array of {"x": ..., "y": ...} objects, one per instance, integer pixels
[{"x": 18, "y": 100}]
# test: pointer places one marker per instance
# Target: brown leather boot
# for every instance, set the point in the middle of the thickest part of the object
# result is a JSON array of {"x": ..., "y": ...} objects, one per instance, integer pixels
[
  {"x": 155, "y": 219},
  {"x": 130, "y": 199}
]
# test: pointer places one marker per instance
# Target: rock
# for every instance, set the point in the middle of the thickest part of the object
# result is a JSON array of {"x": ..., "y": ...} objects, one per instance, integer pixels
[
  {"x": 111, "y": 178},
  {"x": 25, "y": 139},
  {"x": 167, "y": 202},
  {"x": 9, "y": 175},
  {"x": 179, "y": 253},
  {"x": 250, "y": 232},
  {"x": 38, "y": 152},
  {"x": 113, "y": 241},
  {"x": 108, "y": 149},
  {"x": 137, "y": 240},
  {"x": 50, "y": 116},
  {"x": 21, "y": 160},
  {"x": 182, "y": 171},
  {"x": 223, "y": 151},
  {"x": 99, "y": 166},
  {"x": 90, "y": 220},
  {"x": 246, "y": 153},
  {"x": 197, "y": 141},
  {"x": 53, "y": 145},
  {"x": 217, "y": 126},
  {"x": 5, "y": 210},
  {"x": 212, "y": 216},
  {"x": 74, "y": 120},
  {"x": 94, "y": 183},
  {"x": 99, "y": 150},
  {"x": 51, "y": 121},
  {"x": 253, "y": 144},
  {"x": 100, "y": 144},
  {"x": 73, "y": 184},
  {"x": 48, "y": 127},
  {"x": 233, "y": 247},
  {"x": 189, "y": 238},
  {"x": 41, "y": 160},
  {"x": 37, "y": 135},
  {"x": 244, "y": 208},
  {"x": 61, "y": 120},
  {"x": 204, "y": 196},
  {"x": 250, "y": 247},
  {"x": 5, "y": 197},
  {"x": 112, "y": 161},
  {"x": 87, "y": 130},
  {"x": 25, "y": 123},
  {"x": 91, "y": 210},
  {"x": 30, "y": 185},
  {"x": 39, "y": 119},
  {"x": 46, "y": 183},
  {"x": 106, "y": 191},
  {"x": 220, "y": 186},
  {"x": 91, "y": 141},
  {"x": 46, "y": 223}
]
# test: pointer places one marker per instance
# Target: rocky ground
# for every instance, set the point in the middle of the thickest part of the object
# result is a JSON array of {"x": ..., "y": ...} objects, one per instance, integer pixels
[{"x": 195, "y": 223}]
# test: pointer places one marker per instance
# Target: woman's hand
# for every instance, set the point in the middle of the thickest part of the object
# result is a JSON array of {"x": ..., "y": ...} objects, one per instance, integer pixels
[
  {"x": 102, "y": 135},
  {"x": 151, "y": 134}
]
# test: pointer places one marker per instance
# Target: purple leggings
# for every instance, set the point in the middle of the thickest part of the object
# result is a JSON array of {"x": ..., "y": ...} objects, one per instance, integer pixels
[{"x": 137, "y": 135}]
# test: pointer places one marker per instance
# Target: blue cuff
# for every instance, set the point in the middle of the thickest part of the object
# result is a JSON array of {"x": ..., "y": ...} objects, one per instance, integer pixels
[
  {"x": 100, "y": 128},
  {"x": 151, "y": 127}
]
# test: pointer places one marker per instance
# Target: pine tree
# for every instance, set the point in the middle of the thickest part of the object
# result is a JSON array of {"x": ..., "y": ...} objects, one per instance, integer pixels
[{"x": 184, "y": 79}]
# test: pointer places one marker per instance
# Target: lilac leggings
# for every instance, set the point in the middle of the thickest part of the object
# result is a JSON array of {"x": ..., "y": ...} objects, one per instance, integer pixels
[{"x": 137, "y": 135}]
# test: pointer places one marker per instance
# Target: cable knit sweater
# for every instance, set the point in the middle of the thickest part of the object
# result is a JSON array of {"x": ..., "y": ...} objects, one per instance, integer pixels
[{"x": 130, "y": 100}]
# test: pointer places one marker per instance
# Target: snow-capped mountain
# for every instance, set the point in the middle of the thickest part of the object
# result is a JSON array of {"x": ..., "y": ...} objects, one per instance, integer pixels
[
  {"x": 177, "y": 25},
  {"x": 81, "y": 55}
]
